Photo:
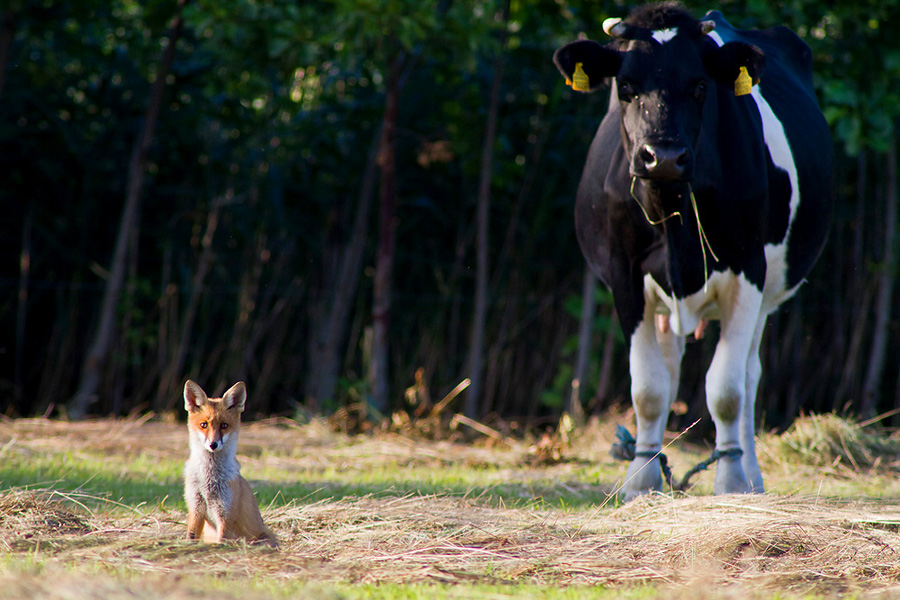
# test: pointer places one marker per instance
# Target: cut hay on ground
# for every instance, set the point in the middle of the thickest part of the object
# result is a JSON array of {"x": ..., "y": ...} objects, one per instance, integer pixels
[
  {"x": 757, "y": 544},
  {"x": 831, "y": 441},
  {"x": 690, "y": 546}
]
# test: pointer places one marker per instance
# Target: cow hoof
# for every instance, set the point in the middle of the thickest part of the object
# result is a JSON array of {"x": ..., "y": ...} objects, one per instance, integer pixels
[
  {"x": 643, "y": 476},
  {"x": 756, "y": 481},
  {"x": 754, "y": 475},
  {"x": 730, "y": 477}
]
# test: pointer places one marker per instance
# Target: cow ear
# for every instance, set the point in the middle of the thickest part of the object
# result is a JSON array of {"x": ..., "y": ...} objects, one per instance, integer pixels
[
  {"x": 597, "y": 62},
  {"x": 725, "y": 62}
]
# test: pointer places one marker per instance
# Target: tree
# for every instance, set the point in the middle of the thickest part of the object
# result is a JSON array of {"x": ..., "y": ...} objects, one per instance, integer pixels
[
  {"x": 7, "y": 32},
  {"x": 476, "y": 345},
  {"x": 137, "y": 168},
  {"x": 883, "y": 301}
]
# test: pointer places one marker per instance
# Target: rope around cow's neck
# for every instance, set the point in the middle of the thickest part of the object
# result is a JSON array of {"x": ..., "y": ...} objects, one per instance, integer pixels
[
  {"x": 704, "y": 241},
  {"x": 644, "y": 210}
]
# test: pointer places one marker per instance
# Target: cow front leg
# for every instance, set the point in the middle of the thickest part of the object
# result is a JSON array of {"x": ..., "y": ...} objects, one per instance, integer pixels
[
  {"x": 655, "y": 360},
  {"x": 727, "y": 385},
  {"x": 748, "y": 415}
]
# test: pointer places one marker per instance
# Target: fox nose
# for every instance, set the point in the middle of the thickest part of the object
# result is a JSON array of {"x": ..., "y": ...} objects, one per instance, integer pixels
[
  {"x": 664, "y": 161},
  {"x": 214, "y": 445}
]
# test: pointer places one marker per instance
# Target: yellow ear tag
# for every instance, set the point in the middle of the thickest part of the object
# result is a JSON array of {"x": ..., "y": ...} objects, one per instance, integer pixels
[
  {"x": 743, "y": 84},
  {"x": 580, "y": 80}
]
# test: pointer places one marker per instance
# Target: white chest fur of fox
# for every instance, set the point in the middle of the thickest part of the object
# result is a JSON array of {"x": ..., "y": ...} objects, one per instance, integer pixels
[{"x": 220, "y": 503}]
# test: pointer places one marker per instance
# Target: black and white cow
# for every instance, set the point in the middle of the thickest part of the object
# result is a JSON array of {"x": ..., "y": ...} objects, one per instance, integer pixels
[{"x": 700, "y": 199}]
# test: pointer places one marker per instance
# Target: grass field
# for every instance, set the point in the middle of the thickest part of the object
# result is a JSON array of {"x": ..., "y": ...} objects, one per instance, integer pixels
[{"x": 94, "y": 510}]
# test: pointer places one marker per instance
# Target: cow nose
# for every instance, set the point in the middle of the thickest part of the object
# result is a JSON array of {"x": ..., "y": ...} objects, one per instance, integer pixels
[{"x": 665, "y": 161}]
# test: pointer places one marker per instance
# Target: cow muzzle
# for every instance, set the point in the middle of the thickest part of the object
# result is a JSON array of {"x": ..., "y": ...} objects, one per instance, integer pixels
[{"x": 663, "y": 161}]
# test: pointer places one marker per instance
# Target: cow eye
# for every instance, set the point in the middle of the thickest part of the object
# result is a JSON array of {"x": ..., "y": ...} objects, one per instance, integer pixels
[
  {"x": 700, "y": 90},
  {"x": 626, "y": 91}
]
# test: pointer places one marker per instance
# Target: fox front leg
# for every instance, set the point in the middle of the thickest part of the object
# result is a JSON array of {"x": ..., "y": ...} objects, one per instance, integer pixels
[
  {"x": 220, "y": 532},
  {"x": 195, "y": 525},
  {"x": 218, "y": 522}
]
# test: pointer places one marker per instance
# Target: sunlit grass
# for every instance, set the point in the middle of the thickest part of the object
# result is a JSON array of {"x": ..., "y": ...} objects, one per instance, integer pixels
[{"x": 136, "y": 478}]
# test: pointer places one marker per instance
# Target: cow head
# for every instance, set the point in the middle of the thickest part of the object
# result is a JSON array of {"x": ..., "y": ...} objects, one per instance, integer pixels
[{"x": 664, "y": 65}]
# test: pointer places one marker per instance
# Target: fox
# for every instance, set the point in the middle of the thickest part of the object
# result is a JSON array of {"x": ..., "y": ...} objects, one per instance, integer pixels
[{"x": 221, "y": 505}]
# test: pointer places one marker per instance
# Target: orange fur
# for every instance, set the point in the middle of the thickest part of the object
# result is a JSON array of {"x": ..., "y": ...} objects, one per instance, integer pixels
[{"x": 220, "y": 502}]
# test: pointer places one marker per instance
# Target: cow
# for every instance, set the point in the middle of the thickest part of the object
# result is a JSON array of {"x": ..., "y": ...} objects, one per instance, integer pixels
[{"x": 706, "y": 194}]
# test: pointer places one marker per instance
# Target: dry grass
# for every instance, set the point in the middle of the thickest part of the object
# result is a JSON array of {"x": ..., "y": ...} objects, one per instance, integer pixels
[
  {"x": 691, "y": 546},
  {"x": 758, "y": 544},
  {"x": 832, "y": 442}
]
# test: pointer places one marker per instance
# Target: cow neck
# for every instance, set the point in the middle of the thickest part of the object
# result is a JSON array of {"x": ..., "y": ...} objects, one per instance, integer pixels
[{"x": 704, "y": 241}]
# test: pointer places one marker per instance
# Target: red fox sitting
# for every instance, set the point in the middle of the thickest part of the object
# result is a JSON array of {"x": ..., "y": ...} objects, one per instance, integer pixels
[{"x": 218, "y": 498}]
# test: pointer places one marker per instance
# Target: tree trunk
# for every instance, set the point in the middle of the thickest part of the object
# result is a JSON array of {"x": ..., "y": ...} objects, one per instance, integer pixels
[
  {"x": 249, "y": 311},
  {"x": 604, "y": 381},
  {"x": 585, "y": 333},
  {"x": 474, "y": 405},
  {"x": 325, "y": 354},
  {"x": 384, "y": 261},
  {"x": 169, "y": 386},
  {"x": 22, "y": 310},
  {"x": 86, "y": 394},
  {"x": 7, "y": 33},
  {"x": 883, "y": 297},
  {"x": 849, "y": 381}
]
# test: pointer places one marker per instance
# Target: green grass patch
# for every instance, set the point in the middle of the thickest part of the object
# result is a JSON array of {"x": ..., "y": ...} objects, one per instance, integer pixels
[
  {"x": 132, "y": 481},
  {"x": 143, "y": 479}
]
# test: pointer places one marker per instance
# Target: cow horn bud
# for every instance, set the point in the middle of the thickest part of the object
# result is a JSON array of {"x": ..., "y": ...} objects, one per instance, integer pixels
[
  {"x": 614, "y": 27},
  {"x": 707, "y": 26}
]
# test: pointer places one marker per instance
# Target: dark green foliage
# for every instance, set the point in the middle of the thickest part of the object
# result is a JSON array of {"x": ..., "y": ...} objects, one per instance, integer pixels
[{"x": 271, "y": 109}]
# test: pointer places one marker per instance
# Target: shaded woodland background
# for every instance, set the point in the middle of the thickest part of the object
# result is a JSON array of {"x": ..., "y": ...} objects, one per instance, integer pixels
[{"x": 364, "y": 203}]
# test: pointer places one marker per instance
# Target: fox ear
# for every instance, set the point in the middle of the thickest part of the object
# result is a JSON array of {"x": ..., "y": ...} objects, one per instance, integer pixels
[
  {"x": 194, "y": 396},
  {"x": 235, "y": 397}
]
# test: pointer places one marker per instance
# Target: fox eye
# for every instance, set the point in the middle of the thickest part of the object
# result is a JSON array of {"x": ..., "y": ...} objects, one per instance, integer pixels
[
  {"x": 224, "y": 426},
  {"x": 204, "y": 425}
]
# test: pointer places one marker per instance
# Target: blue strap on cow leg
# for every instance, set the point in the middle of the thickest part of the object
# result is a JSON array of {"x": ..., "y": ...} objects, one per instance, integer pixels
[
  {"x": 663, "y": 464},
  {"x": 626, "y": 449},
  {"x": 702, "y": 466}
]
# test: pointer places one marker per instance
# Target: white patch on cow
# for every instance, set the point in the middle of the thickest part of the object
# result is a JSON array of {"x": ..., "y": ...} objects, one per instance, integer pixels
[
  {"x": 727, "y": 377},
  {"x": 727, "y": 296},
  {"x": 780, "y": 150},
  {"x": 685, "y": 314},
  {"x": 776, "y": 291},
  {"x": 664, "y": 35},
  {"x": 650, "y": 385}
]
